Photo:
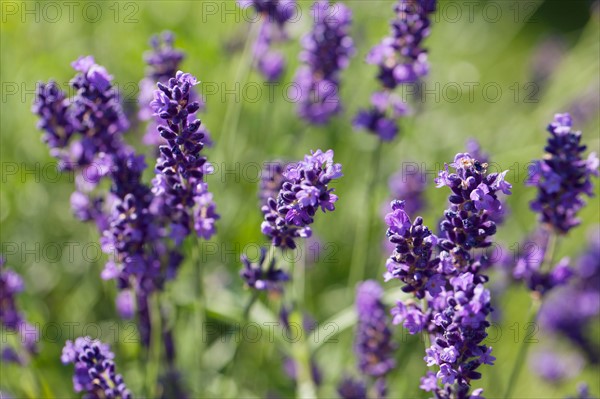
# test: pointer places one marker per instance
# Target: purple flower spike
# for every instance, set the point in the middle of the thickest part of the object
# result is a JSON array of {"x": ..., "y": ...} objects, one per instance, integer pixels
[
  {"x": 304, "y": 190},
  {"x": 381, "y": 117},
  {"x": 411, "y": 261},
  {"x": 409, "y": 186},
  {"x": 450, "y": 282},
  {"x": 400, "y": 57},
  {"x": 94, "y": 369},
  {"x": 163, "y": 63},
  {"x": 474, "y": 203},
  {"x": 401, "y": 60},
  {"x": 94, "y": 116},
  {"x": 85, "y": 133},
  {"x": 563, "y": 177},
  {"x": 10, "y": 317},
  {"x": 181, "y": 193},
  {"x": 373, "y": 343},
  {"x": 327, "y": 50}
]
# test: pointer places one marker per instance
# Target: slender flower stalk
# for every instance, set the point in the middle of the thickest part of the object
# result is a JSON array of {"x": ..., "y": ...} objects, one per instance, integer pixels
[
  {"x": 401, "y": 60},
  {"x": 94, "y": 369},
  {"x": 326, "y": 51}
]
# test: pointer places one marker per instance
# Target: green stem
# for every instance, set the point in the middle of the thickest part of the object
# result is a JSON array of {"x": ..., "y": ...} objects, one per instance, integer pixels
[
  {"x": 522, "y": 354},
  {"x": 305, "y": 387},
  {"x": 533, "y": 314},
  {"x": 251, "y": 302},
  {"x": 155, "y": 345},
  {"x": 200, "y": 308},
  {"x": 232, "y": 114},
  {"x": 361, "y": 238}
]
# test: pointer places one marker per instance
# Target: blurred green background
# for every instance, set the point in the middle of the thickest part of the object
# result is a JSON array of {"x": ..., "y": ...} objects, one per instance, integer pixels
[{"x": 543, "y": 55}]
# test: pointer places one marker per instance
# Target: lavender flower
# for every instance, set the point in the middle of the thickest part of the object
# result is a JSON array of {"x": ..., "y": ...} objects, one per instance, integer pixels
[
  {"x": 83, "y": 132},
  {"x": 474, "y": 200},
  {"x": 305, "y": 190},
  {"x": 530, "y": 259},
  {"x": 571, "y": 319},
  {"x": 411, "y": 261},
  {"x": 555, "y": 367},
  {"x": 373, "y": 343},
  {"x": 94, "y": 369},
  {"x": 381, "y": 117},
  {"x": 327, "y": 50},
  {"x": 96, "y": 114},
  {"x": 163, "y": 62},
  {"x": 451, "y": 283},
  {"x": 131, "y": 233},
  {"x": 10, "y": 317},
  {"x": 401, "y": 60},
  {"x": 583, "y": 392},
  {"x": 563, "y": 176},
  {"x": 257, "y": 277},
  {"x": 350, "y": 388},
  {"x": 409, "y": 186},
  {"x": 274, "y": 15},
  {"x": 400, "y": 57},
  {"x": 474, "y": 149},
  {"x": 180, "y": 167},
  {"x": 52, "y": 106}
]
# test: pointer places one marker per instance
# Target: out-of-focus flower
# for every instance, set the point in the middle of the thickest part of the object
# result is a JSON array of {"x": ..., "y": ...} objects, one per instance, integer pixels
[
  {"x": 571, "y": 318},
  {"x": 373, "y": 342},
  {"x": 274, "y": 14},
  {"x": 554, "y": 367},
  {"x": 327, "y": 50},
  {"x": 401, "y": 60},
  {"x": 563, "y": 177},
  {"x": 11, "y": 318},
  {"x": 163, "y": 63},
  {"x": 350, "y": 388}
]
